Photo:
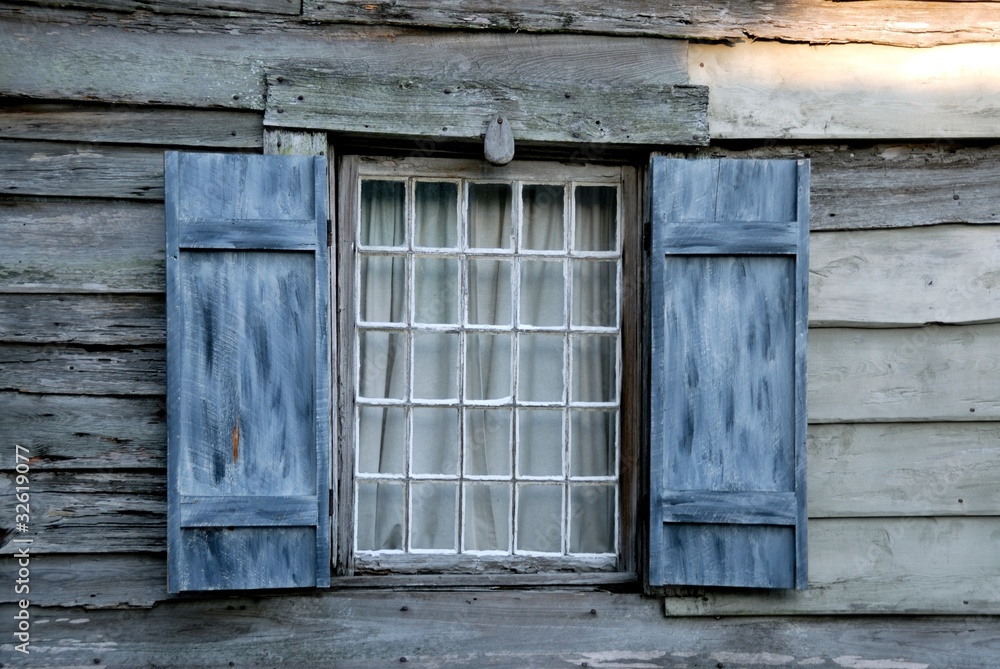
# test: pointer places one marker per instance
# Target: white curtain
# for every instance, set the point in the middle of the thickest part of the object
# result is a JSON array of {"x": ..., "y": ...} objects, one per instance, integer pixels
[{"x": 491, "y": 373}]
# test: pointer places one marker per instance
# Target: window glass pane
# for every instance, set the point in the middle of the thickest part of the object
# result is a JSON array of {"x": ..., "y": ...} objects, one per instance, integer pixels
[
  {"x": 434, "y": 516},
  {"x": 489, "y": 216},
  {"x": 435, "y": 441},
  {"x": 489, "y": 291},
  {"x": 435, "y": 220},
  {"x": 543, "y": 293},
  {"x": 594, "y": 363},
  {"x": 539, "y": 442},
  {"x": 380, "y": 516},
  {"x": 381, "y": 440},
  {"x": 596, "y": 218},
  {"x": 383, "y": 213},
  {"x": 595, "y": 298},
  {"x": 383, "y": 289},
  {"x": 487, "y": 442},
  {"x": 543, "y": 217},
  {"x": 436, "y": 290},
  {"x": 539, "y": 518},
  {"x": 383, "y": 364},
  {"x": 487, "y": 366},
  {"x": 592, "y": 518},
  {"x": 540, "y": 368},
  {"x": 487, "y": 517},
  {"x": 435, "y": 366},
  {"x": 592, "y": 443}
]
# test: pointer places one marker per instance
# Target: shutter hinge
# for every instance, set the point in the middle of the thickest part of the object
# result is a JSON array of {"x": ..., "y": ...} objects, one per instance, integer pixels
[
  {"x": 330, "y": 507},
  {"x": 329, "y": 233}
]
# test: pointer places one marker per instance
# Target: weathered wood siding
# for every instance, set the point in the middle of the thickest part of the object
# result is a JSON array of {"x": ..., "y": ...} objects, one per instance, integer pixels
[{"x": 903, "y": 363}]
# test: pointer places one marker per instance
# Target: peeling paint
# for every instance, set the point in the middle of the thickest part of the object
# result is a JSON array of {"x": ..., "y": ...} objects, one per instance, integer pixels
[
  {"x": 811, "y": 661},
  {"x": 623, "y": 659},
  {"x": 856, "y": 662}
]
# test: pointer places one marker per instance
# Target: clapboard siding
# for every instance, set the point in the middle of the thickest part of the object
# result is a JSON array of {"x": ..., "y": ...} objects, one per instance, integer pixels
[
  {"x": 77, "y": 432},
  {"x": 74, "y": 370},
  {"x": 80, "y": 170},
  {"x": 132, "y": 125},
  {"x": 80, "y": 62},
  {"x": 92, "y": 512},
  {"x": 880, "y": 565},
  {"x": 795, "y": 91},
  {"x": 935, "y": 373},
  {"x": 904, "y": 469},
  {"x": 889, "y": 22},
  {"x": 71, "y": 246},
  {"x": 92, "y": 580},
  {"x": 901, "y": 277},
  {"x": 104, "y": 319}
]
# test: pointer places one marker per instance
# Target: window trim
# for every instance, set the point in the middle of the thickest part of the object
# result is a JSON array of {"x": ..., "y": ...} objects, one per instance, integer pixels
[{"x": 507, "y": 569}]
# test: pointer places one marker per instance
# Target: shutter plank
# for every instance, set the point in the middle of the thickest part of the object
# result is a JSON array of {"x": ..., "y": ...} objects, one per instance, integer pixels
[
  {"x": 729, "y": 265},
  {"x": 248, "y": 372}
]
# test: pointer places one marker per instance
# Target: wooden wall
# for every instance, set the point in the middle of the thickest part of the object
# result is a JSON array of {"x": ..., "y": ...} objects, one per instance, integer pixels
[{"x": 904, "y": 357}]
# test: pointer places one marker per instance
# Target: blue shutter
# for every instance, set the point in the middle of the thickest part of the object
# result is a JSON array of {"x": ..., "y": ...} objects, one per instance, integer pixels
[
  {"x": 729, "y": 272},
  {"x": 248, "y": 359}
]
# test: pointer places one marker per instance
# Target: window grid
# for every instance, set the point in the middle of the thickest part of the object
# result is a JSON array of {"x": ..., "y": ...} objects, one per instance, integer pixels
[{"x": 515, "y": 480}]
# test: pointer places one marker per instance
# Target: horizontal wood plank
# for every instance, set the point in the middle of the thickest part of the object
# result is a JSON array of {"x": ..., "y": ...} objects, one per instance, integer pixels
[
  {"x": 91, "y": 512},
  {"x": 794, "y": 91},
  {"x": 888, "y": 22},
  {"x": 891, "y": 185},
  {"x": 509, "y": 629},
  {"x": 132, "y": 125},
  {"x": 211, "y": 7},
  {"x": 909, "y": 566},
  {"x": 80, "y": 170},
  {"x": 903, "y": 469},
  {"x": 904, "y": 277},
  {"x": 461, "y": 108},
  {"x": 106, "y": 319},
  {"x": 68, "y": 432},
  {"x": 221, "y": 65},
  {"x": 82, "y": 371},
  {"x": 92, "y": 581},
  {"x": 72, "y": 246},
  {"x": 933, "y": 373}
]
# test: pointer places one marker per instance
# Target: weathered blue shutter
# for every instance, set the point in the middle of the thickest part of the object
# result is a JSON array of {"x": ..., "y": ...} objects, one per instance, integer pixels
[
  {"x": 729, "y": 274},
  {"x": 248, "y": 364}
]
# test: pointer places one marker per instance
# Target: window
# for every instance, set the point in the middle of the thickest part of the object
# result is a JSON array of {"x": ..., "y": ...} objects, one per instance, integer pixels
[
  {"x": 486, "y": 364},
  {"x": 250, "y": 393}
]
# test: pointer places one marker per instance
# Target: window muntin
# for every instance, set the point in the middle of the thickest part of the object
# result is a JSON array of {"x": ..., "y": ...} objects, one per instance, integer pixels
[{"x": 487, "y": 368}]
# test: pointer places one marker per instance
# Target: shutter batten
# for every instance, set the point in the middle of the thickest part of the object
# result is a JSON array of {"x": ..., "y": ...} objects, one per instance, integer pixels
[
  {"x": 248, "y": 394},
  {"x": 729, "y": 266}
]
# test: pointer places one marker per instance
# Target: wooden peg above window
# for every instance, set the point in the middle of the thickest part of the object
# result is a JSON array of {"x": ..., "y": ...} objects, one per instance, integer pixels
[{"x": 499, "y": 144}]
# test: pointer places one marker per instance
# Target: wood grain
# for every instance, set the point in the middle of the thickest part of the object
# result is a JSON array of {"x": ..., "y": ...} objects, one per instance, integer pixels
[
  {"x": 936, "y": 373},
  {"x": 80, "y": 170},
  {"x": 70, "y": 60},
  {"x": 103, "y": 319},
  {"x": 904, "y": 469},
  {"x": 72, "y": 246},
  {"x": 71, "y": 432},
  {"x": 898, "y": 22},
  {"x": 281, "y": 142},
  {"x": 458, "y": 107},
  {"x": 794, "y": 91},
  {"x": 906, "y": 566},
  {"x": 905, "y": 277},
  {"x": 131, "y": 125},
  {"x": 92, "y": 512},
  {"x": 495, "y": 629},
  {"x": 82, "y": 371},
  {"x": 211, "y": 8}
]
